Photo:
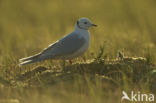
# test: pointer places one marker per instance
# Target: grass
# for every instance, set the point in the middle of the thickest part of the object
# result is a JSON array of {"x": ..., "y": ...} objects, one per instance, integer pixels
[{"x": 26, "y": 27}]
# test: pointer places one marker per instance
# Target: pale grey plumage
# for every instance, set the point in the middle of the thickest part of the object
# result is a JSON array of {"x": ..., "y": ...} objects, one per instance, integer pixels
[
  {"x": 66, "y": 46},
  {"x": 69, "y": 47}
]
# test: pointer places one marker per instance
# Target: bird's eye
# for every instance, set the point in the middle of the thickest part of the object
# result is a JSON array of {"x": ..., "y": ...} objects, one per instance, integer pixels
[{"x": 85, "y": 22}]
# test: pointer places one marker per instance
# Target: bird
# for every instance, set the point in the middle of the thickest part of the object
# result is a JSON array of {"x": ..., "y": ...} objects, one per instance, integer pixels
[{"x": 68, "y": 47}]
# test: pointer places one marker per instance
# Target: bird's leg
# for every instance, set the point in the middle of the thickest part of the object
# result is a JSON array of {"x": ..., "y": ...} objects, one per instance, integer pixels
[{"x": 70, "y": 61}]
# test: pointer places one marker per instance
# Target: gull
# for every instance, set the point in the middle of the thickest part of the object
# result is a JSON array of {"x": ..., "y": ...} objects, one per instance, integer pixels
[{"x": 67, "y": 48}]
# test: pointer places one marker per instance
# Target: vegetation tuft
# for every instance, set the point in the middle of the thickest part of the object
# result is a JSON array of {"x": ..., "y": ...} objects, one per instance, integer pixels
[{"x": 121, "y": 56}]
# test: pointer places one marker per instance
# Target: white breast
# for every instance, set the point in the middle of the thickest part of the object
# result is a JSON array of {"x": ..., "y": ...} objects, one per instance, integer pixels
[{"x": 86, "y": 36}]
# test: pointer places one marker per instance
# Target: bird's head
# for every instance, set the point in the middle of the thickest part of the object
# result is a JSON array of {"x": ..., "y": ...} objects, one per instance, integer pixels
[{"x": 84, "y": 23}]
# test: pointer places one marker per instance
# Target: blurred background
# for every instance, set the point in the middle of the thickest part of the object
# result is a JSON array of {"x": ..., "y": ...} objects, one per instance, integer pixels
[{"x": 28, "y": 26}]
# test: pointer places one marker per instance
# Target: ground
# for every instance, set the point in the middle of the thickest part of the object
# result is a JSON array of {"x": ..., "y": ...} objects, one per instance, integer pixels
[{"x": 121, "y": 55}]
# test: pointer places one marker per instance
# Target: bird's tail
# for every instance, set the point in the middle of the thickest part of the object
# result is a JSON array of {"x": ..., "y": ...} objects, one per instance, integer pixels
[{"x": 29, "y": 60}]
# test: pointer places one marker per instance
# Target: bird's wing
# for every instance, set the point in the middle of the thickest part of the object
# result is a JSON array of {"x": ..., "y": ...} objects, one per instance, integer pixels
[{"x": 67, "y": 45}]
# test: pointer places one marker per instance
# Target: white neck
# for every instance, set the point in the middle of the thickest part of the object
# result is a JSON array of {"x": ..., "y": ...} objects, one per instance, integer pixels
[{"x": 80, "y": 29}]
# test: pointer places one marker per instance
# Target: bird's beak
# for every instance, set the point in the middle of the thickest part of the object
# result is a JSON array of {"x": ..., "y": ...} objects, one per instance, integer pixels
[{"x": 94, "y": 25}]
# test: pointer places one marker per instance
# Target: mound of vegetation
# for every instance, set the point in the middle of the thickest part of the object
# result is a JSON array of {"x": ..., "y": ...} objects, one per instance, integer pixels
[
  {"x": 94, "y": 79},
  {"x": 117, "y": 73}
]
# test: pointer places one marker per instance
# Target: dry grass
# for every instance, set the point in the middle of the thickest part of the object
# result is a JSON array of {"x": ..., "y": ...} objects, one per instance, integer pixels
[{"x": 26, "y": 27}]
